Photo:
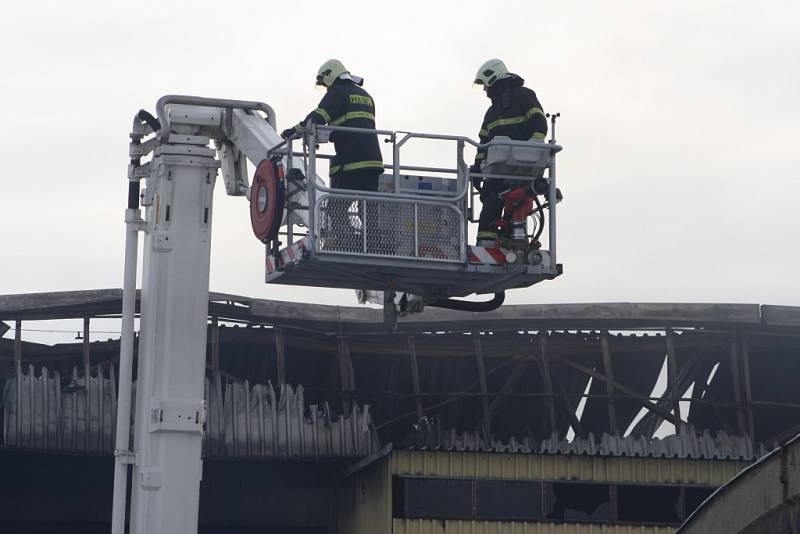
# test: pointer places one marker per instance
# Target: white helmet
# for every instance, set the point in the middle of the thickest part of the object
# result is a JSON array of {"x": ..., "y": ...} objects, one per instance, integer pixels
[
  {"x": 491, "y": 71},
  {"x": 330, "y": 71}
]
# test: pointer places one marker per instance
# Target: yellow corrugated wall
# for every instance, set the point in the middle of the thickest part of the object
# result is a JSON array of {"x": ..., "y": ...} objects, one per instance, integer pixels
[
  {"x": 432, "y": 526},
  {"x": 366, "y": 496},
  {"x": 564, "y": 467},
  {"x": 366, "y": 500}
]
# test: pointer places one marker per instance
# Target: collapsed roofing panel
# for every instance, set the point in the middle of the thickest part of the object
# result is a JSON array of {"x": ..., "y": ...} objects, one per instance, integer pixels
[{"x": 39, "y": 413}]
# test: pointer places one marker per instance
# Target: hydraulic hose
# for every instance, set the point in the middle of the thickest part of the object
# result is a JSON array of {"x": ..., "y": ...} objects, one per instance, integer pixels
[
  {"x": 469, "y": 306},
  {"x": 540, "y": 211},
  {"x": 146, "y": 117},
  {"x": 133, "y": 186}
]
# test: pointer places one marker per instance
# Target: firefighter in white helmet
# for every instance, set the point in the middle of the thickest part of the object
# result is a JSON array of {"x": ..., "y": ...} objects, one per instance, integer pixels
[
  {"x": 358, "y": 163},
  {"x": 515, "y": 112}
]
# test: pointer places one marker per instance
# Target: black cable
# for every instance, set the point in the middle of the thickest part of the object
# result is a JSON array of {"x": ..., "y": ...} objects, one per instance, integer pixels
[
  {"x": 470, "y": 306},
  {"x": 133, "y": 195},
  {"x": 540, "y": 209}
]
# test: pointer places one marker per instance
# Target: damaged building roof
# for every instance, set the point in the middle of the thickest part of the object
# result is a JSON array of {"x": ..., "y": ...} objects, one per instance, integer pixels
[{"x": 514, "y": 377}]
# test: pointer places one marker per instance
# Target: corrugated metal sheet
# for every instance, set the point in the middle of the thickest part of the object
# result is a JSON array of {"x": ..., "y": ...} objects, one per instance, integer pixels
[
  {"x": 761, "y": 499},
  {"x": 428, "y": 526},
  {"x": 687, "y": 444},
  {"x": 41, "y": 414},
  {"x": 75, "y": 417},
  {"x": 365, "y": 500},
  {"x": 564, "y": 467},
  {"x": 256, "y": 422}
]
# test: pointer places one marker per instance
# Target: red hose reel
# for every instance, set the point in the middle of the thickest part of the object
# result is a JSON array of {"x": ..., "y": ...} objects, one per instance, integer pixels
[{"x": 267, "y": 195}]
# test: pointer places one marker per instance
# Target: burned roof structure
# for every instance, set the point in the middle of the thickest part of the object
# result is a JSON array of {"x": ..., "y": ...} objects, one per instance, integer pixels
[{"x": 312, "y": 383}]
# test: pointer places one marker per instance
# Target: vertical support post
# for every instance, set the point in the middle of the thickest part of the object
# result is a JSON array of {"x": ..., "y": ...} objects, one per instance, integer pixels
[
  {"x": 280, "y": 355},
  {"x": 744, "y": 347},
  {"x": 18, "y": 369},
  {"x": 363, "y": 223},
  {"x": 737, "y": 388},
  {"x": 462, "y": 170},
  {"x": 18, "y": 347},
  {"x": 122, "y": 450},
  {"x": 347, "y": 378},
  {"x": 609, "y": 371},
  {"x": 289, "y": 210},
  {"x": 548, "y": 383},
  {"x": 416, "y": 229},
  {"x": 395, "y": 163},
  {"x": 215, "y": 365},
  {"x": 312, "y": 181},
  {"x": 551, "y": 200},
  {"x": 672, "y": 377},
  {"x": 487, "y": 423},
  {"x": 87, "y": 365},
  {"x": 412, "y": 357}
]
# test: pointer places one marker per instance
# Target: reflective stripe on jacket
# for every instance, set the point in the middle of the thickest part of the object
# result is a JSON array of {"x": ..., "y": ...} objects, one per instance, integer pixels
[
  {"x": 515, "y": 112},
  {"x": 347, "y": 104}
]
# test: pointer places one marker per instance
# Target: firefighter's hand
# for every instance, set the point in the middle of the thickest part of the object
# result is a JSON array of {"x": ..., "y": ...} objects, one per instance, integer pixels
[
  {"x": 289, "y": 133},
  {"x": 477, "y": 182}
]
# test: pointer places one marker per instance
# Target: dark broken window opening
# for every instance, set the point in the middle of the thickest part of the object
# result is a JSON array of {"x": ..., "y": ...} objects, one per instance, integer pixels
[
  {"x": 581, "y": 502},
  {"x": 544, "y": 501}
]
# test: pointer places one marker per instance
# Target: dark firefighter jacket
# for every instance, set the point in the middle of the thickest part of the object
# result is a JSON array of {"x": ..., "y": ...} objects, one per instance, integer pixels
[
  {"x": 515, "y": 112},
  {"x": 347, "y": 104}
]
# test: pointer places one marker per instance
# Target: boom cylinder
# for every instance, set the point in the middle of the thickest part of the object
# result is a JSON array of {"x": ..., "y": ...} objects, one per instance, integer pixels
[{"x": 170, "y": 410}]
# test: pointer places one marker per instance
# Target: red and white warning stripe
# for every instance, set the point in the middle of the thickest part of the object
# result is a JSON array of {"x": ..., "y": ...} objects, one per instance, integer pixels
[
  {"x": 291, "y": 254},
  {"x": 486, "y": 256}
]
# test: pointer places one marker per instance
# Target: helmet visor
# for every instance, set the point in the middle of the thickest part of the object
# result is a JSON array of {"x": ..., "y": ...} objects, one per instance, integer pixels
[{"x": 321, "y": 76}]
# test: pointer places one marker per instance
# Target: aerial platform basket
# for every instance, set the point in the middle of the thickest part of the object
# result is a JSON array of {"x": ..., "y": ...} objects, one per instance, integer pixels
[{"x": 412, "y": 235}]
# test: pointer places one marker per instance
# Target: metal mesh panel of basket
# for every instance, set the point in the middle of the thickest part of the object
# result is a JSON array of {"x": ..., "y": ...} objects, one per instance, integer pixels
[
  {"x": 391, "y": 228},
  {"x": 340, "y": 225},
  {"x": 439, "y": 229}
]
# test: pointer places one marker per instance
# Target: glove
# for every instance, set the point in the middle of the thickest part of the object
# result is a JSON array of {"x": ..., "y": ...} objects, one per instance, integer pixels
[
  {"x": 477, "y": 182},
  {"x": 288, "y": 133}
]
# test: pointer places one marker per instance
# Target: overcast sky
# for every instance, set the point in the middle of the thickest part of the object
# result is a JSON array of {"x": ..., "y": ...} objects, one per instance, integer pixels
[{"x": 680, "y": 167}]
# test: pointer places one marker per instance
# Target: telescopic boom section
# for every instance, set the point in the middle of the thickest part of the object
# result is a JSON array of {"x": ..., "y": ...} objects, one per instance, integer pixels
[{"x": 178, "y": 201}]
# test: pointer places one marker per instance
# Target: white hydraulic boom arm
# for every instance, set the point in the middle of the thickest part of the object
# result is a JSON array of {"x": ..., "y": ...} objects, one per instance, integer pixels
[{"x": 178, "y": 199}]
